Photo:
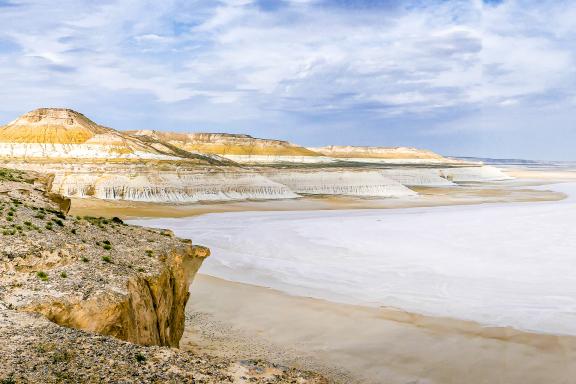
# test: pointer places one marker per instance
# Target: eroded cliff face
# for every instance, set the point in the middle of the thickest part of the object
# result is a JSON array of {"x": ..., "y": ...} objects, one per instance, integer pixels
[
  {"x": 337, "y": 181},
  {"x": 89, "y": 273},
  {"x": 149, "y": 312},
  {"x": 158, "y": 182},
  {"x": 92, "y": 300}
]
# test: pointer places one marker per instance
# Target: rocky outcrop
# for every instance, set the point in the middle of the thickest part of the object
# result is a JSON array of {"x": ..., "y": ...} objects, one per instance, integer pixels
[
  {"x": 93, "y": 274},
  {"x": 150, "y": 312}
]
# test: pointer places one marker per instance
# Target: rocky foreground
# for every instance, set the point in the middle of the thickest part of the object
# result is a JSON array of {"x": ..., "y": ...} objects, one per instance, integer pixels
[{"x": 92, "y": 300}]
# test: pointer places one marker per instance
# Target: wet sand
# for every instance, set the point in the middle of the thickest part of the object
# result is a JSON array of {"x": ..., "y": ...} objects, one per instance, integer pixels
[{"x": 354, "y": 344}]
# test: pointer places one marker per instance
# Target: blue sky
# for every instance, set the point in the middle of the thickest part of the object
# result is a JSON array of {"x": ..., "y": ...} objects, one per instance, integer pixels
[{"x": 481, "y": 78}]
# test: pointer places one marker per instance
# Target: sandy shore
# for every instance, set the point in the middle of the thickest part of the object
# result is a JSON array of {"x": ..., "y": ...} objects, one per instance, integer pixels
[{"x": 354, "y": 344}]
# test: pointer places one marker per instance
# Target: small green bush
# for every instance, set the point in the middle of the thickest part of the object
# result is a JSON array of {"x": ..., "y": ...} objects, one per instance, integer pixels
[
  {"x": 106, "y": 259},
  {"x": 42, "y": 275},
  {"x": 8, "y": 380}
]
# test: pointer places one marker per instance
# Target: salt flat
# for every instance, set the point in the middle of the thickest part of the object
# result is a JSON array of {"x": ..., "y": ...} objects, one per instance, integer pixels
[{"x": 497, "y": 264}]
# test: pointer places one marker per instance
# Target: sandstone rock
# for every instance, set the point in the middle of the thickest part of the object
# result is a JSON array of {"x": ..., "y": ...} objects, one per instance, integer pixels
[{"x": 100, "y": 275}]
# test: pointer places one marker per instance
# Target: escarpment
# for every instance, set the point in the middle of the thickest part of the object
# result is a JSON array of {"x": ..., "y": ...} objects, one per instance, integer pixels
[
  {"x": 93, "y": 300},
  {"x": 337, "y": 181},
  {"x": 89, "y": 160},
  {"x": 91, "y": 273},
  {"x": 149, "y": 312}
]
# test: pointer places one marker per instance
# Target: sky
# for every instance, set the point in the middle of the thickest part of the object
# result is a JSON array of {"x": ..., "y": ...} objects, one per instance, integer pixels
[{"x": 492, "y": 78}]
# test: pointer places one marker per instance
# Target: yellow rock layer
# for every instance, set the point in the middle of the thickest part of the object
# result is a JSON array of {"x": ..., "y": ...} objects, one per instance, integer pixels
[
  {"x": 377, "y": 152},
  {"x": 228, "y": 144},
  {"x": 51, "y": 126}
]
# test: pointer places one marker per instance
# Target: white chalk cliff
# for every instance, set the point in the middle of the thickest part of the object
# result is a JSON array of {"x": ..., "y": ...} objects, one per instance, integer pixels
[
  {"x": 347, "y": 182},
  {"x": 89, "y": 160}
]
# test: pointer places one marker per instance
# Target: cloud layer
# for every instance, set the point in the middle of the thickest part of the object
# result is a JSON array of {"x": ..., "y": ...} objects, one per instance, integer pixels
[{"x": 457, "y": 76}]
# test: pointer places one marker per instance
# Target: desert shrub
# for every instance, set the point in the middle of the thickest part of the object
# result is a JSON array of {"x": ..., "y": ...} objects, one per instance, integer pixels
[
  {"x": 117, "y": 220},
  {"x": 42, "y": 275},
  {"x": 106, "y": 259},
  {"x": 61, "y": 356},
  {"x": 8, "y": 380}
]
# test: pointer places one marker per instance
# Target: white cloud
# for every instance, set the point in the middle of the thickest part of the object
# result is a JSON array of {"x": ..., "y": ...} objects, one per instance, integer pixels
[{"x": 303, "y": 57}]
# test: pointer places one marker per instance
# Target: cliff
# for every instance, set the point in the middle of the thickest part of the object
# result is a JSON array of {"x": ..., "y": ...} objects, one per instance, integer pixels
[
  {"x": 82, "y": 297},
  {"x": 239, "y": 148},
  {"x": 383, "y": 154},
  {"x": 88, "y": 273},
  {"x": 89, "y": 160},
  {"x": 163, "y": 182},
  {"x": 338, "y": 181},
  {"x": 64, "y": 133}
]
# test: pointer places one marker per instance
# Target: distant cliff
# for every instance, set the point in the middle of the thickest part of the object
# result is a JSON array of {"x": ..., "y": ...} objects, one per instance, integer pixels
[
  {"x": 89, "y": 160},
  {"x": 383, "y": 154},
  {"x": 239, "y": 148}
]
